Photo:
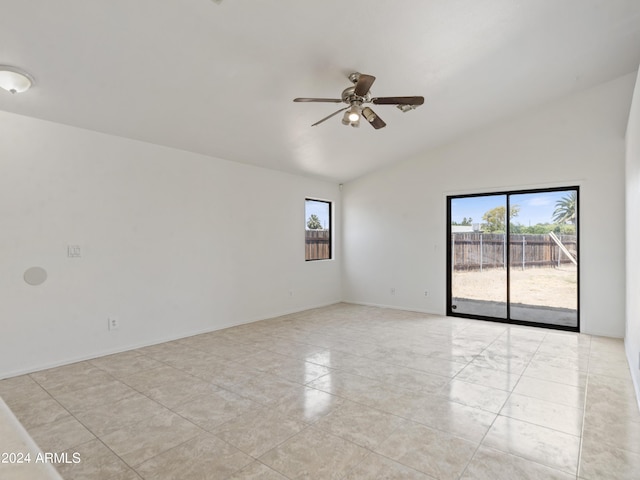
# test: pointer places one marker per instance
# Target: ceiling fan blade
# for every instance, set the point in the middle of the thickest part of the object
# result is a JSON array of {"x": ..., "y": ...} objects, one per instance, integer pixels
[
  {"x": 398, "y": 100},
  {"x": 329, "y": 116},
  {"x": 326, "y": 100},
  {"x": 373, "y": 118},
  {"x": 364, "y": 84}
]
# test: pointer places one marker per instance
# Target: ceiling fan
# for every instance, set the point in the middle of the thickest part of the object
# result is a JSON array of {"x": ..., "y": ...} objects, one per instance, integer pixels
[{"x": 360, "y": 94}]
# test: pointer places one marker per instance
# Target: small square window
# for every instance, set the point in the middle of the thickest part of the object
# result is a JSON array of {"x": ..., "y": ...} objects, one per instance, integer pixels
[{"x": 317, "y": 230}]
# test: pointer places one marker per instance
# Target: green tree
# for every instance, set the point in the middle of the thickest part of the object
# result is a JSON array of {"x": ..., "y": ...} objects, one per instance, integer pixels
[
  {"x": 465, "y": 221},
  {"x": 565, "y": 211},
  {"x": 314, "y": 222},
  {"x": 496, "y": 217},
  {"x": 543, "y": 229}
]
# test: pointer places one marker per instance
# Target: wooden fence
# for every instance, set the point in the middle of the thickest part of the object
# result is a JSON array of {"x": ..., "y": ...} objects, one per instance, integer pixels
[
  {"x": 317, "y": 245},
  {"x": 475, "y": 251}
]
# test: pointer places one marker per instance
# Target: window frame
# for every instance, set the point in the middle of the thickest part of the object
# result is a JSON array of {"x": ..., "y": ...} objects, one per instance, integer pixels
[{"x": 329, "y": 229}]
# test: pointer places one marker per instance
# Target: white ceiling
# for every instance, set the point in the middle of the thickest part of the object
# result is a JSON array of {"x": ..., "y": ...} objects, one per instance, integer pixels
[{"x": 219, "y": 77}]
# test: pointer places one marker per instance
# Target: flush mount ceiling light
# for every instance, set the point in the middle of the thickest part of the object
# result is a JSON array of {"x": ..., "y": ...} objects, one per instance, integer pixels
[{"x": 14, "y": 80}]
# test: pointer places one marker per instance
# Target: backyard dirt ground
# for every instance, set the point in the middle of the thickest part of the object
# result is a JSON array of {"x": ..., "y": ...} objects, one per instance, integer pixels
[{"x": 552, "y": 287}]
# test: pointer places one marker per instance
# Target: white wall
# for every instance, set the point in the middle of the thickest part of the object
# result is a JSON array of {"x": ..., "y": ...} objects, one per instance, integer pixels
[
  {"x": 395, "y": 219},
  {"x": 173, "y": 243},
  {"x": 632, "y": 337}
]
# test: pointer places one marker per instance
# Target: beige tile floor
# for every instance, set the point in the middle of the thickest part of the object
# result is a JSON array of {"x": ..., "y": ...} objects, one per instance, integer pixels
[{"x": 343, "y": 392}]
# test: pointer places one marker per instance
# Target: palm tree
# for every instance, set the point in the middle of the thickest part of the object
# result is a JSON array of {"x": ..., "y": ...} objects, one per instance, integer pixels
[
  {"x": 565, "y": 211},
  {"x": 313, "y": 223}
]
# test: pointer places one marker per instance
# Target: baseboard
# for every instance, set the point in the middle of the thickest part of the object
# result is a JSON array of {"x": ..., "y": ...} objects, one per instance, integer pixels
[
  {"x": 393, "y": 307},
  {"x": 156, "y": 341}
]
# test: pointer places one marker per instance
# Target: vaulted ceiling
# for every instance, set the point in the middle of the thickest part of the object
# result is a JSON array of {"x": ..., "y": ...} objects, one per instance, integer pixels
[{"x": 219, "y": 78}]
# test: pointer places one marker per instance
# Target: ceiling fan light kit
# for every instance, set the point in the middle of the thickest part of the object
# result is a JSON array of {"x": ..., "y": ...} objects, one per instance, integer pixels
[
  {"x": 406, "y": 108},
  {"x": 352, "y": 116},
  {"x": 358, "y": 94},
  {"x": 351, "y": 119}
]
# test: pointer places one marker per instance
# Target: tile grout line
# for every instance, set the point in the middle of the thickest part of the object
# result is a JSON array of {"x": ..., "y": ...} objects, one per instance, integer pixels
[
  {"x": 498, "y": 415},
  {"x": 495, "y": 418},
  {"x": 584, "y": 411},
  {"x": 96, "y": 437}
]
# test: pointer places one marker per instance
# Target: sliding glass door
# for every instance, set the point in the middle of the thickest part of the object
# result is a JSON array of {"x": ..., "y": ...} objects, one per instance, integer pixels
[
  {"x": 543, "y": 271},
  {"x": 477, "y": 256},
  {"x": 513, "y": 257}
]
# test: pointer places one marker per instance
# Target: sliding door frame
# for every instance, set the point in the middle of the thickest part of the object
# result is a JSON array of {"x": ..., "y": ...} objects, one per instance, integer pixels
[{"x": 451, "y": 312}]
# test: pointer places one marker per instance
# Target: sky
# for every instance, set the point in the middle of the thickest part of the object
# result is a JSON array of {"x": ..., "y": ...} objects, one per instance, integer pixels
[
  {"x": 321, "y": 209},
  {"x": 534, "y": 207}
]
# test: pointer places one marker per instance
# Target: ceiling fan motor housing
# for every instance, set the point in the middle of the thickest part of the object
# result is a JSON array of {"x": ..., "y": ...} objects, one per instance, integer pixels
[{"x": 349, "y": 96}]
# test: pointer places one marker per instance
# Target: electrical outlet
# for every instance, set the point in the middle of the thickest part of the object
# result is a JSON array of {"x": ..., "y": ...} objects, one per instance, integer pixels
[
  {"x": 393, "y": 291},
  {"x": 112, "y": 323},
  {"x": 426, "y": 293}
]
